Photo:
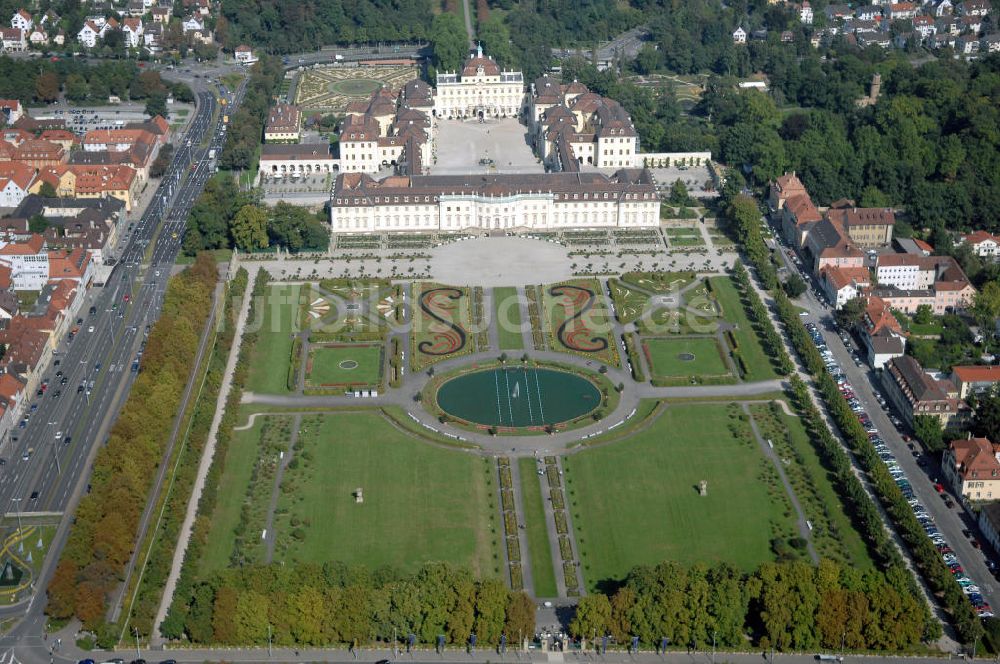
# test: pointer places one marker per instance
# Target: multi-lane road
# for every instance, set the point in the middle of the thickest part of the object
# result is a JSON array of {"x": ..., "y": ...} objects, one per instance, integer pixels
[{"x": 47, "y": 466}]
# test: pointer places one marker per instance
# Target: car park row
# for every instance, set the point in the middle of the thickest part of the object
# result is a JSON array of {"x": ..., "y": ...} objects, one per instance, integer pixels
[{"x": 969, "y": 587}]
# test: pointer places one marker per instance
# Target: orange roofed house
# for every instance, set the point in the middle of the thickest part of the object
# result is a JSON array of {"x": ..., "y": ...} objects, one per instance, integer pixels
[
  {"x": 881, "y": 333},
  {"x": 972, "y": 468},
  {"x": 975, "y": 379}
]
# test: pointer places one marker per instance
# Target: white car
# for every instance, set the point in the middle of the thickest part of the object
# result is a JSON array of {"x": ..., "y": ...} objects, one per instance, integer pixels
[{"x": 59, "y": 434}]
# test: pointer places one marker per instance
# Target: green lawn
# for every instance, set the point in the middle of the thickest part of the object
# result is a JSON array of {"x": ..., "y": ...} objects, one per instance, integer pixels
[
  {"x": 757, "y": 361},
  {"x": 357, "y": 364},
  {"x": 507, "y": 318},
  {"x": 241, "y": 457},
  {"x": 833, "y": 533},
  {"x": 543, "y": 574},
  {"x": 421, "y": 503},
  {"x": 664, "y": 356},
  {"x": 637, "y": 502},
  {"x": 272, "y": 353}
]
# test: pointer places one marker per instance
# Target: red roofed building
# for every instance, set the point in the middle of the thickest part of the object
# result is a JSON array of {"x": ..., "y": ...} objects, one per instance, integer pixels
[
  {"x": 881, "y": 333},
  {"x": 38, "y": 153},
  {"x": 982, "y": 243},
  {"x": 975, "y": 379},
  {"x": 28, "y": 261},
  {"x": 785, "y": 187},
  {"x": 843, "y": 284},
  {"x": 798, "y": 216},
  {"x": 972, "y": 468},
  {"x": 15, "y": 182},
  {"x": 915, "y": 393}
]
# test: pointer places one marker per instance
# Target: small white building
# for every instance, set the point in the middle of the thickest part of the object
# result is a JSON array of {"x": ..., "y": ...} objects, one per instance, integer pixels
[
  {"x": 806, "y": 13},
  {"x": 244, "y": 55},
  {"x": 739, "y": 35},
  {"x": 89, "y": 34},
  {"x": 22, "y": 20},
  {"x": 132, "y": 31},
  {"x": 192, "y": 23},
  {"x": 14, "y": 39}
]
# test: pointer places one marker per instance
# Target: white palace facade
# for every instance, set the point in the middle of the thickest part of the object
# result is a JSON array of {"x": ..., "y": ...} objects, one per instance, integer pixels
[
  {"x": 543, "y": 201},
  {"x": 481, "y": 90}
]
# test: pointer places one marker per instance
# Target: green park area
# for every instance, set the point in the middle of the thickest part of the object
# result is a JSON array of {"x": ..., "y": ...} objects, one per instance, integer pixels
[
  {"x": 757, "y": 363},
  {"x": 685, "y": 356},
  {"x": 420, "y": 503},
  {"x": 638, "y": 502},
  {"x": 507, "y": 318},
  {"x": 684, "y": 237},
  {"x": 543, "y": 573},
  {"x": 335, "y": 365},
  {"x": 271, "y": 355}
]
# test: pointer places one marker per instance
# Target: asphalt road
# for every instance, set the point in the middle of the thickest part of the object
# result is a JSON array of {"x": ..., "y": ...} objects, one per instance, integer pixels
[
  {"x": 863, "y": 380},
  {"x": 58, "y": 469}
]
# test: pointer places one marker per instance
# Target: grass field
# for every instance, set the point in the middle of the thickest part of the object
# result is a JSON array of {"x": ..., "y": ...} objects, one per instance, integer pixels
[
  {"x": 239, "y": 464},
  {"x": 543, "y": 574},
  {"x": 507, "y": 318},
  {"x": 421, "y": 503},
  {"x": 336, "y": 364},
  {"x": 833, "y": 533},
  {"x": 637, "y": 502},
  {"x": 270, "y": 358},
  {"x": 757, "y": 361},
  {"x": 665, "y": 357},
  {"x": 684, "y": 237}
]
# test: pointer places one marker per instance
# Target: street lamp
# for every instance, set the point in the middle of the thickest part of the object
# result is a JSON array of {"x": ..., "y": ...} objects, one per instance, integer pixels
[
  {"x": 20, "y": 540},
  {"x": 135, "y": 631}
]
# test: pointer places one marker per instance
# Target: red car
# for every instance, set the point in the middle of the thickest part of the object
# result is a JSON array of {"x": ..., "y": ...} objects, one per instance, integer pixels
[
  {"x": 939, "y": 487},
  {"x": 126, "y": 298}
]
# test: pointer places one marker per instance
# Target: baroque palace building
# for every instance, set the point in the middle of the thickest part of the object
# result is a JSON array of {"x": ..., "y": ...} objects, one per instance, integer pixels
[
  {"x": 481, "y": 90},
  {"x": 541, "y": 201}
]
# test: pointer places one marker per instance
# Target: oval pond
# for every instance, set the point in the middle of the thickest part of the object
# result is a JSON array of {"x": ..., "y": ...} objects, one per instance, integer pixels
[{"x": 518, "y": 397}]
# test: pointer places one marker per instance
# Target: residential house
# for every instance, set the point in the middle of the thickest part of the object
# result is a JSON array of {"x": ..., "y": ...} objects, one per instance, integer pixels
[
  {"x": 89, "y": 34},
  {"x": 982, "y": 243},
  {"x": 192, "y": 23},
  {"x": 972, "y": 468},
  {"x": 62, "y": 137},
  {"x": 244, "y": 55},
  {"x": 13, "y": 39},
  {"x": 132, "y": 30},
  {"x": 943, "y": 8},
  {"x": 881, "y": 333},
  {"x": 798, "y": 216},
  {"x": 28, "y": 261},
  {"x": 901, "y": 10},
  {"x": 15, "y": 181},
  {"x": 914, "y": 393},
  {"x": 975, "y": 379},
  {"x": 924, "y": 26},
  {"x": 38, "y": 153},
  {"x": 970, "y": 24},
  {"x": 868, "y": 13},
  {"x": 973, "y": 8},
  {"x": 22, "y": 20},
  {"x": 836, "y": 13},
  {"x": 60, "y": 38},
  {"x": 806, "y": 13},
  {"x": 93, "y": 225},
  {"x": 11, "y": 110},
  {"x": 843, "y": 284},
  {"x": 739, "y": 35},
  {"x": 11, "y": 403},
  {"x": 161, "y": 15},
  {"x": 990, "y": 43},
  {"x": 38, "y": 37},
  {"x": 152, "y": 37},
  {"x": 783, "y": 188}
]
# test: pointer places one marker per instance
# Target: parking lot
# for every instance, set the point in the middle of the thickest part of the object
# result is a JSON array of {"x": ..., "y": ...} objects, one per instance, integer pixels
[
  {"x": 83, "y": 119},
  {"x": 969, "y": 586}
]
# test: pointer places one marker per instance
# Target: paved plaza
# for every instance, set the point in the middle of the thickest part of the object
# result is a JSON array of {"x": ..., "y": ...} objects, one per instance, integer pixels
[{"x": 460, "y": 146}]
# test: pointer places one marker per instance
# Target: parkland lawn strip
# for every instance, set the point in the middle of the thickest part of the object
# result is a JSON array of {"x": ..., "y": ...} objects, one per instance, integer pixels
[
  {"x": 507, "y": 318},
  {"x": 421, "y": 503},
  {"x": 542, "y": 573},
  {"x": 636, "y": 502},
  {"x": 272, "y": 353},
  {"x": 758, "y": 363}
]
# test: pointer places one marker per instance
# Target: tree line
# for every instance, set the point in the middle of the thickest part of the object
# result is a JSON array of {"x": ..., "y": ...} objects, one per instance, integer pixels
[
  {"x": 42, "y": 80},
  {"x": 787, "y": 605},
  {"x": 224, "y": 217},
  {"x": 925, "y": 555},
  {"x": 305, "y": 25},
  {"x": 102, "y": 538},
  {"x": 246, "y": 124}
]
